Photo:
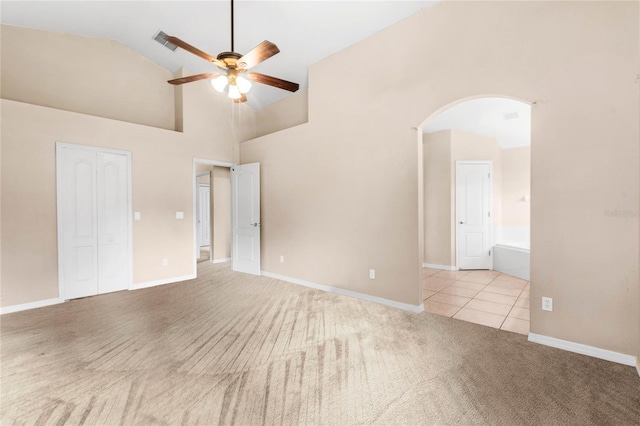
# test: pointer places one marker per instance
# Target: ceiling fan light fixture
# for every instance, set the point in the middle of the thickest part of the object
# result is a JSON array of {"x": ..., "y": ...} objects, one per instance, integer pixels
[
  {"x": 244, "y": 85},
  {"x": 234, "y": 92},
  {"x": 220, "y": 82},
  {"x": 234, "y": 64}
]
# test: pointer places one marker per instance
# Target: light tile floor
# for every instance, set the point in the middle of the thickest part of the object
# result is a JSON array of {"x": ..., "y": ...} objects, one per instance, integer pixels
[{"x": 483, "y": 297}]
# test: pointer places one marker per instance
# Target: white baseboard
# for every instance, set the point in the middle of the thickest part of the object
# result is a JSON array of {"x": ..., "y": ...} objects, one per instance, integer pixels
[
  {"x": 443, "y": 267},
  {"x": 585, "y": 350},
  {"x": 31, "y": 305},
  {"x": 638, "y": 365},
  {"x": 138, "y": 286},
  {"x": 392, "y": 303},
  {"x": 221, "y": 260}
]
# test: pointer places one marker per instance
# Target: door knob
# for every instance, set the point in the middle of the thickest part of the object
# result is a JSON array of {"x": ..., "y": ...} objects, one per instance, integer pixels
[
  {"x": 256, "y": 224},
  {"x": 461, "y": 223}
]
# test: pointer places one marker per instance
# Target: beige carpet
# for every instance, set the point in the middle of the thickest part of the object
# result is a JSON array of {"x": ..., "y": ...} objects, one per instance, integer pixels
[
  {"x": 236, "y": 349},
  {"x": 205, "y": 254}
]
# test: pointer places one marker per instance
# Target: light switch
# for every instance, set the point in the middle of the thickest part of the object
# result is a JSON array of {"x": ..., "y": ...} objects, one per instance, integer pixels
[
  {"x": 136, "y": 215},
  {"x": 179, "y": 215}
]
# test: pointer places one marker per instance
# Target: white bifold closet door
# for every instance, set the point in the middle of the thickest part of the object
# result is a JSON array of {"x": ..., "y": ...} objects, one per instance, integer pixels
[{"x": 94, "y": 219}]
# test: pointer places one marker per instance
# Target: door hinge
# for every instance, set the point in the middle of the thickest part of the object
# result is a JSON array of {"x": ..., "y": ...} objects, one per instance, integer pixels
[
  {"x": 489, "y": 175},
  {"x": 489, "y": 252},
  {"x": 489, "y": 214}
]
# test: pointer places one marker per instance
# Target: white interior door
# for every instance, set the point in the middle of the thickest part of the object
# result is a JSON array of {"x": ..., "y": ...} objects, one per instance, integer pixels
[
  {"x": 78, "y": 222},
  {"x": 245, "y": 218},
  {"x": 204, "y": 215},
  {"x": 113, "y": 216},
  {"x": 93, "y": 221},
  {"x": 473, "y": 215}
]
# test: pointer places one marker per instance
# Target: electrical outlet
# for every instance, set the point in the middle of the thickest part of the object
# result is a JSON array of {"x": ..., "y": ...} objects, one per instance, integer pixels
[
  {"x": 165, "y": 262},
  {"x": 547, "y": 304},
  {"x": 372, "y": 274},
  {"x": 281, "y": 259}
]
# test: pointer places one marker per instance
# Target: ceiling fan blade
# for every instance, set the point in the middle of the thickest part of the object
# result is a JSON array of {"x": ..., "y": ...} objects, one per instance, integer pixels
[
  {"x": 191, "y": 78},
  {"x": 273, "y": 81},
  {"x": 260, "y": 53},
  {"x": 242, "y": 98},
  {"x": 191, "y": 49}
]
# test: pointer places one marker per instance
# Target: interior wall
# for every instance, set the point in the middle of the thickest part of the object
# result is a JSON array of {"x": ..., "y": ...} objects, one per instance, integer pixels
[
  {"x": 339, "y": 192},
  {"x": 221, "y": 213},
  {"x": 288, "y": 112},
  {"x": 638, "y": 211},
  {"x": 84, "y": 74},
  {"x": 162, "y": 174},
  {"x": 439, "y": 236},
  {"x": 516, "y": 187}
]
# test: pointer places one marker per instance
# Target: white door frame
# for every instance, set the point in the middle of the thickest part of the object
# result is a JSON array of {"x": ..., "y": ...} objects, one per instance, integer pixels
[
  {"x": 59, "y": 147},
  {"x": 455, "y": 237},
  {"x": 196, "y": 249}
]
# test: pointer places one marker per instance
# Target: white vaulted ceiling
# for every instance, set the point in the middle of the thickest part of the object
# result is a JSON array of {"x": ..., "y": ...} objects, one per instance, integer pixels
[{"x": 305, "y": 31}]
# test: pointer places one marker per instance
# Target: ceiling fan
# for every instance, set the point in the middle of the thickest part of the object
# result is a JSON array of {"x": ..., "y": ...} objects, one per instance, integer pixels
[{"x": 234, "y": 67}]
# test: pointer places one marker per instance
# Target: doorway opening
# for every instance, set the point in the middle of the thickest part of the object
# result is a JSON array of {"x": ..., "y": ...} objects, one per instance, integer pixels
[
  {"x": 204, "y": 215},
  {"x": 212, "y": 211},
  {"x": 475, "y": 233}
]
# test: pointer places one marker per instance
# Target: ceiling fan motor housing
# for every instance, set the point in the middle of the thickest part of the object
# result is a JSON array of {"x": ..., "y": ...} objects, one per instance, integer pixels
[{"x": 230, "y": 59}]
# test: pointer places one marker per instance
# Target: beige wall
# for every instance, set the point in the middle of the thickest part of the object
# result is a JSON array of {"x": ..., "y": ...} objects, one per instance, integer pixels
[
  {"x": 290, "y": 111},
  {"x": 439, "y": 236},
  {"x": 87, "y": 75},
  {"x": 340, "y": 193},
  {"x": 516, "y": 185},
  {"x": 441, "y": 151},
  {"x": 162, "y": 174},
  {"x": 221, "y": 213}
]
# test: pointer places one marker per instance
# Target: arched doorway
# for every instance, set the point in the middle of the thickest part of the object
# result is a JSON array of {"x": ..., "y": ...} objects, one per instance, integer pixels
[{"x": 475, "y": 216}]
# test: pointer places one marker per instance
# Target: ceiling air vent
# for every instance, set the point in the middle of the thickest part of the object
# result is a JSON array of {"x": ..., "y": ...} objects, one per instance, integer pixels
[
  {"x": 160, "y": 39},
  {"x": 511, "y": 115}
]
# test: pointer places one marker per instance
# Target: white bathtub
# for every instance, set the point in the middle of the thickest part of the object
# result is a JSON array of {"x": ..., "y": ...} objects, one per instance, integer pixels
[{"x": 512, "y": 258}]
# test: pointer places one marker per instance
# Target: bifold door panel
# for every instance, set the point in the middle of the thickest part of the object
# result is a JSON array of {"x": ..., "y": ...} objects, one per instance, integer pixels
[{"x": 93, "y": 194}]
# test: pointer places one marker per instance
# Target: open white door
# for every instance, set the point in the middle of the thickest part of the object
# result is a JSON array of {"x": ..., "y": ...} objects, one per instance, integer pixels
[
  {"x": 245, "y": 218},
  {"x": 473, "y": 214}
]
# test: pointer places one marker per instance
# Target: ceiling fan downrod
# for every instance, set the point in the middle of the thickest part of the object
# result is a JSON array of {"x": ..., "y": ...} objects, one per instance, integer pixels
[{"x": 232, "y": 47}]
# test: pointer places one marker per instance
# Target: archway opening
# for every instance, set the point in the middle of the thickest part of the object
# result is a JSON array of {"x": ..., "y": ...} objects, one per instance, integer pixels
[{"x": 475, "y": 215}]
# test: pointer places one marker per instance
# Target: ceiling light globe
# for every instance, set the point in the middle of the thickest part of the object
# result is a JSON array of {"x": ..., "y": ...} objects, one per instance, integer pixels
[
  {"x": 220, "y": 82},
  {"x": 234, "y": 92},
  {"x": 244, "y": 85}
]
